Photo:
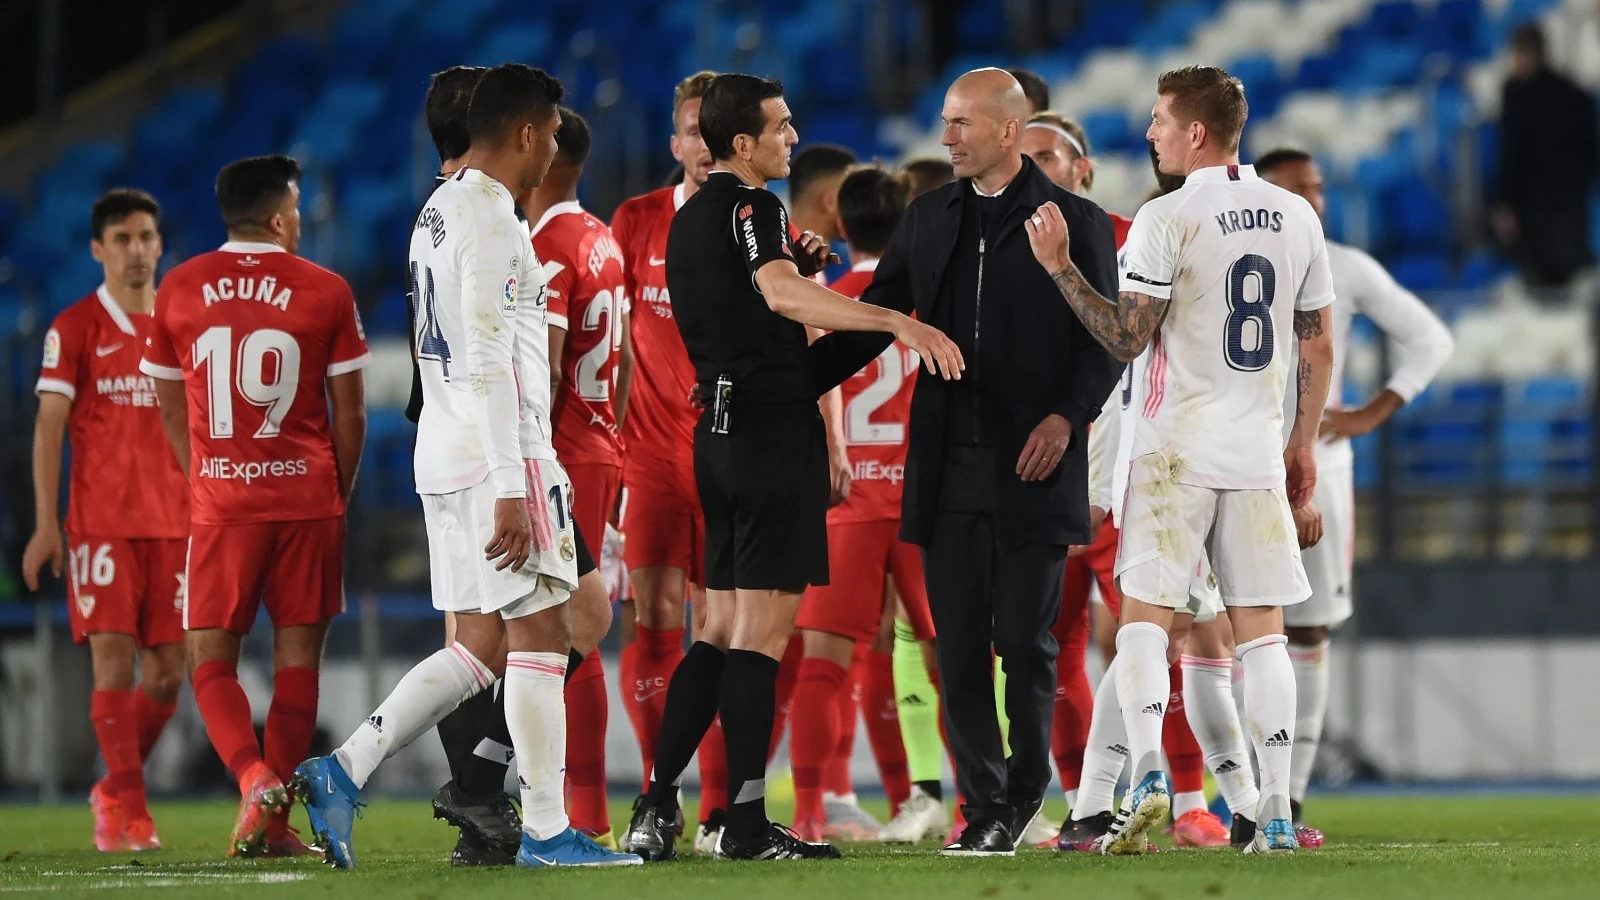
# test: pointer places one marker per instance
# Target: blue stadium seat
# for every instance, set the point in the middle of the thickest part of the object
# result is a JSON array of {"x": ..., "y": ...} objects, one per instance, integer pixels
[
  {"x": 526, "y": 40},
  {"x": 1421, "y": 273}
]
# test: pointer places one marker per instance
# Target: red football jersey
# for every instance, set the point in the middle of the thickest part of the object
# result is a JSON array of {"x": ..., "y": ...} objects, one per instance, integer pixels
[
  {"x": 583, "y": 266},
  {"x": 125, "y": 482},
  {"x": 1119, "y": 227},
  {"x": 659, "y": 428},
  {"x": 877, "y": 417},
  {"x": 254, "y": 331}
]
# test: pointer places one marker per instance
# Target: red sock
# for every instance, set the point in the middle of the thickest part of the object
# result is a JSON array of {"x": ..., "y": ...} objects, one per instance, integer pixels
[
  {"x": 1074, "y": 706},
  {"x": 713, "y": 771},
  {"x": 657, "y": 654},
  {"x": 586, "y": 746},
  {"x": 291, "y": 720},
  {"x": 627, "y": 675},
  {"x": 116, "y": 726},
  {"x": 226, "y": 711},
  {"x": 153, "y": 717},
  {"x": 836, "y": 773},
  {"x": 1183, "y": 751},
  {"x": 783, "y": 693},
  {"x": 818, "y": 695},
  {"x": 882, "y": 716}
]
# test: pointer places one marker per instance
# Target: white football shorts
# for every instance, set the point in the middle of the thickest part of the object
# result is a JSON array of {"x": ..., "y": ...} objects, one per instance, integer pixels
[
  {"x": 1328, "y": 563},
  {"x": 461, "y": 524},
  {"x": 1169, "y": 527}
]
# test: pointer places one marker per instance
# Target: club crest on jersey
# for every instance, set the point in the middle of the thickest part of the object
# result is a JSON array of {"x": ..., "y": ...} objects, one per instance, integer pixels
[
  {"x": 52, "y": 349},
  {"x": 86, "y": 605},
  {"x": 567, "y": 552},
  {"x": 510, "y": 294}
]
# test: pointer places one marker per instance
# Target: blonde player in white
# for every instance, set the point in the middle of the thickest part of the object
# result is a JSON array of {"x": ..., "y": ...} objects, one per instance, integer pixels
[
  {"x": 1423, "y": 345},
  {"x": 1212, "y": 272},
  {"x": 496, "y": 503}
]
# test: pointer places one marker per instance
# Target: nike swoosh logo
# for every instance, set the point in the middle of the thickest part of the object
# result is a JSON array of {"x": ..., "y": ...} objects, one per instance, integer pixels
[
  {"x": 107, "y": 351},
  {"x": 548, "y": 862},
  {"x": 640, "y": 698},
  {"x": 657, "y": 261}
]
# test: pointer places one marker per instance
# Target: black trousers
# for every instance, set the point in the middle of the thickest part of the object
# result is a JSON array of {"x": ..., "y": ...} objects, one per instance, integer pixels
[{"x": 987, "y": 597}]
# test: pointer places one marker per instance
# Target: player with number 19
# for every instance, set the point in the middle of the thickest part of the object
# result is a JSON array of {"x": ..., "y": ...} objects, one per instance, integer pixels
[
  {"x": 263, "y": 343},
  {"x": 1211, "y": 273}
]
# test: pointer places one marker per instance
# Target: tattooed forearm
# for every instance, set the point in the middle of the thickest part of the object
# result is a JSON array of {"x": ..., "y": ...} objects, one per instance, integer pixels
[
  {"x": 1123, "y": 326},
  {"x": 1302, "y": 386},
  {"x": 1308, "y": 325}
]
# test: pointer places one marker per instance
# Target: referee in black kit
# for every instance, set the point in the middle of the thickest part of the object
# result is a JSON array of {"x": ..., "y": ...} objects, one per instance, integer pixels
[
  {"x": 996, "y": 470},
  {"x": 741, "y": 299}
]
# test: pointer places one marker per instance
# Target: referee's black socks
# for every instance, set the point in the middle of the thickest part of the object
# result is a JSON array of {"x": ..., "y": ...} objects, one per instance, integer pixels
[
  {"x": 748, "y": 706},
  {"x": 692, "y": 699}
]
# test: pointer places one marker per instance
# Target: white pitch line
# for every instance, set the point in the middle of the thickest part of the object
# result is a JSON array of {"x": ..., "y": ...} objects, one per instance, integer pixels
[{"x": 162, "y": 879}]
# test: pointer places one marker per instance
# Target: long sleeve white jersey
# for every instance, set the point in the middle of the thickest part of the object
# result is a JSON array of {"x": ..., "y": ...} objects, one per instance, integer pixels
[
  {"x": 479, "y": 314},
  {"x": 1235, "y": 256},
  {"x": 1423, "y": 342}
]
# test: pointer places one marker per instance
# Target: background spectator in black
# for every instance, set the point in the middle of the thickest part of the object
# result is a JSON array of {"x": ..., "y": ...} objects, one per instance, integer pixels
[{"x": 1548, "y": 161}]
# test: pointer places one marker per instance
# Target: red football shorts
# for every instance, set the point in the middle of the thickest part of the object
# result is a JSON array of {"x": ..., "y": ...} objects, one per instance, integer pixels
[
  {"x": 860, "y": 556},
  {"x": 594, "y": 495},
  {"x": 1099, "y": 562},
  {"x": 295, "y": 568},
  {"x": 126, "y": 586},
  {"x": 663, "y": 524}
]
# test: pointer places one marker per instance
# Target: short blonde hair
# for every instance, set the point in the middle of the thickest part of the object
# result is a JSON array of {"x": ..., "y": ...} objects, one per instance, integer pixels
[
  {"x": 692, "y": 88},
  {"x": 1210, "y": 96},
  {"x": 1051, "y": 117}
]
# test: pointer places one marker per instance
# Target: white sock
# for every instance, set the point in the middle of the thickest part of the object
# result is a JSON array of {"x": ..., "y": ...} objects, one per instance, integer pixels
[
  {"x": 1208, "y": 696},
  {"x": 1187, "y": 802},
  {"x": 1105, "y": 753},
  {"x": 1311, "y": 707},
  {"x": 1143, "y": 685},
  {"x": 427, "y": 693},
  {"x": 536, "y": 716},
  {"x": 1269, "y": 707},
  {"x": 1072, "y": 798}
]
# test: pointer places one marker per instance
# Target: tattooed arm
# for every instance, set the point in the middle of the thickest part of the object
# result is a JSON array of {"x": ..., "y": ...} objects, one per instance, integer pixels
[
  {"x": 1314, "y": 330},
  {"x": 1123, "y": 326}
]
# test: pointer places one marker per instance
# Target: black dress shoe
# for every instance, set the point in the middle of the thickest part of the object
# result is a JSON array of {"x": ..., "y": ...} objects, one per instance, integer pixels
[
  {"x": 984, "y": 837},
  {"x": 777, "y": 842},
  {"x": 1022, "y": 816}
]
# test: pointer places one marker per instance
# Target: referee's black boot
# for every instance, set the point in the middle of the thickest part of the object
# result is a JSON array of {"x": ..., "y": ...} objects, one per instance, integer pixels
[
  {"x": 984, "y": 837},
  {"x": 651, "y": 835},
  {"x": 777, "y": 843}
]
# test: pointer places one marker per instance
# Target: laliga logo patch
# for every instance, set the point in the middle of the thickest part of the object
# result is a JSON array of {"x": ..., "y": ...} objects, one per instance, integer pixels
[
  {"x": 510, "y": 294},
  {"x": 52, "y": 349},
  {"x": 567, "y": 553},
  {"x": 86, "y": 605}
]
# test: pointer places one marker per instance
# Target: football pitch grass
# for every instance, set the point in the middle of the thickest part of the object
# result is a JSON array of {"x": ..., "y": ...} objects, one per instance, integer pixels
[{"x": 1392, "y": 845}]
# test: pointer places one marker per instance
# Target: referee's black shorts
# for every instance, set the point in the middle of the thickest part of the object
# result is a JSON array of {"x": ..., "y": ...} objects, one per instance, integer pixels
[{"x": 764, "y": 493}]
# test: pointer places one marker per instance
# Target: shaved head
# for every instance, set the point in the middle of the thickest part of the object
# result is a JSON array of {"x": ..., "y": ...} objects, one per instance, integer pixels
[{"x": 984, "y": 112}]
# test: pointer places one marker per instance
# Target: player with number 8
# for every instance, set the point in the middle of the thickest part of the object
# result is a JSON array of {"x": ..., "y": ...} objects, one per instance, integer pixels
[{"x": 257, "y": 356}]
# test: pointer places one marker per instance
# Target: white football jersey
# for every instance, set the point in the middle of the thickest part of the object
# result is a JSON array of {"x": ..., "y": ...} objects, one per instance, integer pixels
[
  {"x": 1236, "y": 257},
  {"x": 1423, "y": 343},
  {"x": 470, "y": 270}
]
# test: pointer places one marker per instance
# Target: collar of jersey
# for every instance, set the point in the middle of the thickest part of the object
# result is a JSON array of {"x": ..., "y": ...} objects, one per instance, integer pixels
[
  {"x": 866, "y": 265},
  {"x": 250, "y": 247},
  {"x": 469, "y": 175},
  {"x": 1220, "y": 173},
  {"x": 124, "y": 324},
  {"x": 677, "y": 197},
  {"x": 560, "y": 209}
]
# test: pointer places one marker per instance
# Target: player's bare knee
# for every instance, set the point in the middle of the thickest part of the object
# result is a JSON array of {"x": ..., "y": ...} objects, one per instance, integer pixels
[
  {"x": 1252, "y": 623},
  {"x": 547, "y": 631},
  {"x": 161, "y": 672},
  {"x": 658, "y": 596},
  {"x": 112, "y": 657},
  {"x": 590, "y": 610},
  {"x": 764, "y": 621},
  {"x": 835, "y": 648}
]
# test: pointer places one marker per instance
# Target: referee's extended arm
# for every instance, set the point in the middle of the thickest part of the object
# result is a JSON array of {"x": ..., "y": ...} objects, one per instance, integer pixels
[{"x": 802, "y": 300}]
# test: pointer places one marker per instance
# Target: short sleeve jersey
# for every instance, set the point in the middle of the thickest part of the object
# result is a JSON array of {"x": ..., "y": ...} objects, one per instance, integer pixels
[
  {"x": 877, "y": 417},
  {"x": 253, "y": 332},
  {"x": 659, "y": 429},
  {"x": 720, "y": 238},
  {"x": 584, "y": 268},
  {"x": 125, "y": 482},
  {"x": 1235, "y": 256},
  {"x": 472, "y": 266}
]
